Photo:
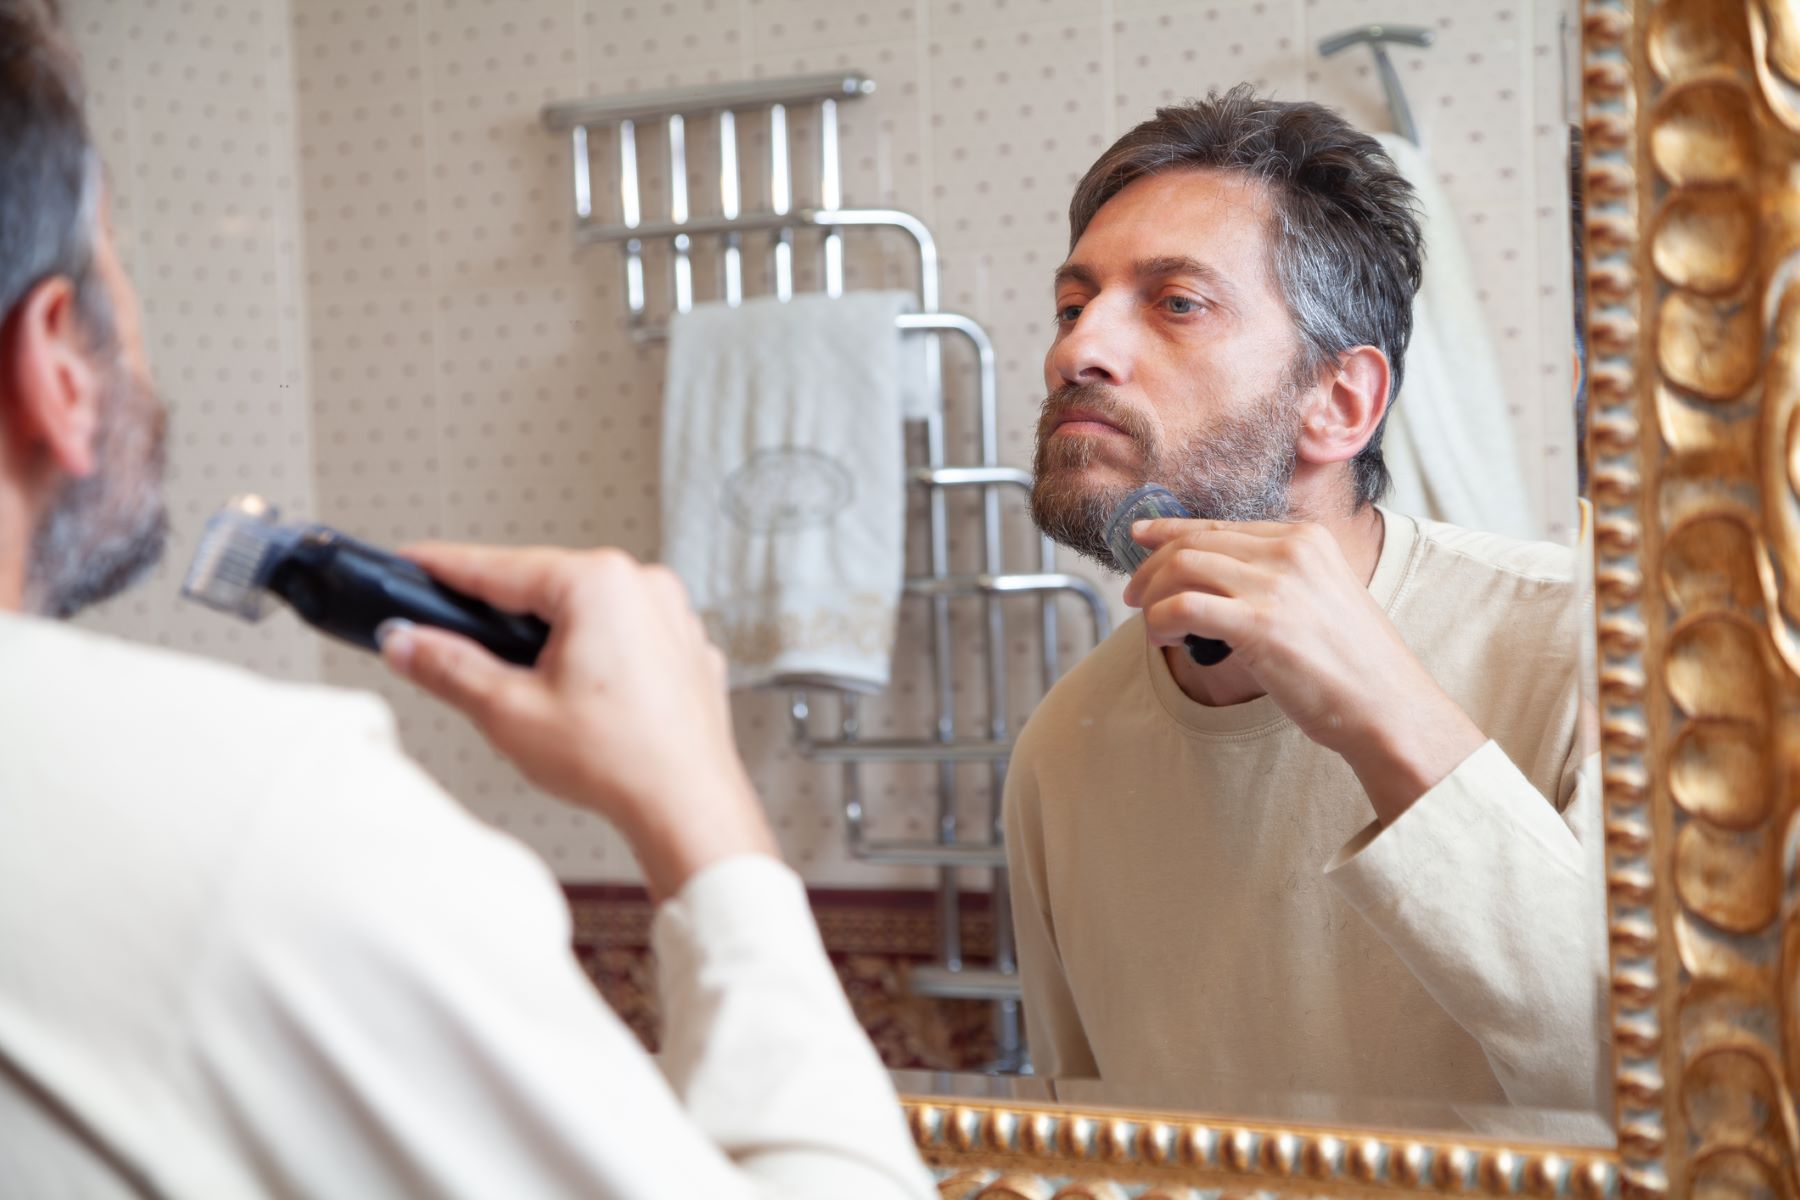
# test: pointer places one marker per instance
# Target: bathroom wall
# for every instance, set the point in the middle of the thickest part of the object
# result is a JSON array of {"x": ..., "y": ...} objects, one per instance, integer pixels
[
  {"x": 464, "y": 365},
  {"x": 192, "y": 105}
]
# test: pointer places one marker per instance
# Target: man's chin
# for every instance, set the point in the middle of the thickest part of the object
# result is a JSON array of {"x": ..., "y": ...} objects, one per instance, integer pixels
[{"x": 1071, "y": 505}]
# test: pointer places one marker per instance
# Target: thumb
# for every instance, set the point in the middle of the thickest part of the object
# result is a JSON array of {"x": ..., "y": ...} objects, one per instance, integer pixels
[{"x": 451, "y": 667}]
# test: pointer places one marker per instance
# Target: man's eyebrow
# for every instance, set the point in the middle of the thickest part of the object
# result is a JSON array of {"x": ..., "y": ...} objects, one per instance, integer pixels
[
  {"x": 1076, "y": 273},
  {"x": 1160, "y": 267},
  {"x": 1178, "y": 264}
]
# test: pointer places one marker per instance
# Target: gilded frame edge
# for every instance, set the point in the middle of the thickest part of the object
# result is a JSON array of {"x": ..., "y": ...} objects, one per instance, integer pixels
[{"x": 1016, "y": 1151}]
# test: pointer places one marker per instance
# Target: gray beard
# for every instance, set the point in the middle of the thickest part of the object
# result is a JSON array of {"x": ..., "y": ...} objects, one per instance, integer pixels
[
  {"x": 1238, "y": 470},
  {"x": 107, "y": 530}
]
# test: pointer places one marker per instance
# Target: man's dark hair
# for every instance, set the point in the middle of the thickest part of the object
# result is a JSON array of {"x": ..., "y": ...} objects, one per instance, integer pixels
[
  {"x": 1347, "y": 248},
  {"x": 49, "y": 171}
]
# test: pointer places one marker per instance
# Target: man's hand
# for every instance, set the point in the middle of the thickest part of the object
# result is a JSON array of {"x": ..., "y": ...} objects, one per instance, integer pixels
[
  {"x": 1307, "y": 631},
  {"x": 625, "y": 712}
]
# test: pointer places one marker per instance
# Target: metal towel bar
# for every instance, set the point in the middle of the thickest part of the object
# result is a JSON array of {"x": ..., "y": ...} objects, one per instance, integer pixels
[{"x": 587, "y": 123}]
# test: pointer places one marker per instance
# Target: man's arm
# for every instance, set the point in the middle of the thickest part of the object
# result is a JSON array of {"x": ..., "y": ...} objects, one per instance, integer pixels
[
  {"x": 1468, "y": 872},
  {"x": 1489, "y": 898},
  {"x": 626, "y": 714},
  {"x": 390, "y": 1007},
  {"x": 761, "y": 1047}
]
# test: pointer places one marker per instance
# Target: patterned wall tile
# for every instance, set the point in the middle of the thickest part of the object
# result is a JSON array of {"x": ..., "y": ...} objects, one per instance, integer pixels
[
  {"x": 222, "y": 50},
  {"x": 1167, "y": 53},
  {"x": 109, "y": 123},
  {"x": 366, "y": 192},
  {"x": 1012, "y": 129},
  {"x": 494, "y": 43},
  {"x": 498, "y": 185},
  {"x": 783, "y": 26},
  {"x": 356, "y": 49},
  {"x": 193, "y": 108},
  {"x": 376, "y": 420},
  {"x": 203, "y": 182},
  {"x": 958, "y": 18},
  {"x": 626, "y": 39}
]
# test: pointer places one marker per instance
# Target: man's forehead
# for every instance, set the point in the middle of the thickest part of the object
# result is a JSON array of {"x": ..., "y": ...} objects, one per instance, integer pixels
[{"x": 1187, "y": 220}]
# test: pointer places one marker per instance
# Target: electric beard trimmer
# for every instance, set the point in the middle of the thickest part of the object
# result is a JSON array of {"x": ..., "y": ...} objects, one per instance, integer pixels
[
  {"x": 1149, "y": 503},
  {"x": 337, "y": 584}
]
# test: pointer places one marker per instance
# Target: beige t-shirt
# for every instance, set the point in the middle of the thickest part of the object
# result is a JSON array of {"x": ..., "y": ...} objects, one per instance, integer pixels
[
  {"x": 1207, "y": 911},
  {"x": 247, "y": 948}
]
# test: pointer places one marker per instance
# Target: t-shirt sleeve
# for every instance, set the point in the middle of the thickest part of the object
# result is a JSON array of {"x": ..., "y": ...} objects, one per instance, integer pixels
[
  {"x": 390, "y": 1006},
  {"x": 1059, "y": 1045},
  {"x": 1484, "y": 891}
]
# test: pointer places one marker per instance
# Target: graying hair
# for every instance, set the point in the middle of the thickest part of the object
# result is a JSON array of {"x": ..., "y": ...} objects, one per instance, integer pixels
[
  {"x": 50, "y": 204},
  {"x": 1347, "y": 250}
]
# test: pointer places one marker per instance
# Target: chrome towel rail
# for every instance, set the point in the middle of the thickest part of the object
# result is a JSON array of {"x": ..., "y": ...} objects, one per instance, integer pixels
[{"x": 617, "y": 129}]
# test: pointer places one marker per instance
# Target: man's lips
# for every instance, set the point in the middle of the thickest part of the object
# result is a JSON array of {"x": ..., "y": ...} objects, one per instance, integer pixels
[{"x": 1084, "y": 422}]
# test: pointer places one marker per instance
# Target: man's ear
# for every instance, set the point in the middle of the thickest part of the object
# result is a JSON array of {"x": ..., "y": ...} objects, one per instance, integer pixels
[
  {"x": 1341, "y": 417},
  {"x": 49, "y": 387}
]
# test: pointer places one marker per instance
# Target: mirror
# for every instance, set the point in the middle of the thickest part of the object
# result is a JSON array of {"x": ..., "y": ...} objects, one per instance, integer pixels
[{"x": 426, "y": 352}]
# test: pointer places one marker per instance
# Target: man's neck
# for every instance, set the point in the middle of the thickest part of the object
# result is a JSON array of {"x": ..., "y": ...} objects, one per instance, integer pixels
[
  {"x": 1360, "y": 537},
  {"x": 16, "y": 523}
]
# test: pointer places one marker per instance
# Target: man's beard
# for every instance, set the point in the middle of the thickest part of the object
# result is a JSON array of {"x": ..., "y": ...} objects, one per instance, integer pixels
[
  {"x": 106, "y": 530},
  {"x": 1237, "y": 470}
]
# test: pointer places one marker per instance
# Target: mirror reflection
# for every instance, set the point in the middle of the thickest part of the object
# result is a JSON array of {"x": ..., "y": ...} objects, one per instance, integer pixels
[{"x": 1270, "y": 792}]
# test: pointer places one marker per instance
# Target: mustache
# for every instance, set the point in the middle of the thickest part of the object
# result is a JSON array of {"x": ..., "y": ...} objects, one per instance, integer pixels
[{"x": 1099, "y": 400}]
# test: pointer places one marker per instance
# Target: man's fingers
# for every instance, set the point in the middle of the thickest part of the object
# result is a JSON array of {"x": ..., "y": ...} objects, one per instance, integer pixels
[
  {"x": 1180, "y": 568},
  {"x": 525, "y": 579},
  {"x": 456, "y": 670},
  {"x": 1169, "y": 621}
]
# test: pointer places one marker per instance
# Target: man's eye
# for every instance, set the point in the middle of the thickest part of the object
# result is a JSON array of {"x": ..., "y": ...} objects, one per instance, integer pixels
[
  {"x": 1068, "y": 314},
  {"x": 1182, "y": 305}
]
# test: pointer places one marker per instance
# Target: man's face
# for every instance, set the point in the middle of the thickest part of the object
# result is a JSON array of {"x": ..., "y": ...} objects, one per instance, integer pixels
[
  {"x": 1174, "y": 361},
  {"x": 104, "y": 532}
]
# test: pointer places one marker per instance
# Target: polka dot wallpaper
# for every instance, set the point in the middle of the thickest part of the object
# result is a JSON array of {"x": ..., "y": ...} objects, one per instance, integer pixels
[
  {"x": 194, "y": 109},
  {"x": 352, "y": 237}
]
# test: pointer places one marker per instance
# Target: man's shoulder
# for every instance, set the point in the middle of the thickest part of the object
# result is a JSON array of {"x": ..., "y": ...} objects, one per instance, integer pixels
[
  {"x": 1451, "y": 548},
  {"x": 115, "y": 690},
  {"x": 1462, "y": 582}
]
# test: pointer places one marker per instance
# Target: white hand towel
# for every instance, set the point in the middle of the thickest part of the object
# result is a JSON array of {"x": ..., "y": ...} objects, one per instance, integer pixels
[
  {"x": 1450, "y": 442},
  {"x": 783, "y": 491}
]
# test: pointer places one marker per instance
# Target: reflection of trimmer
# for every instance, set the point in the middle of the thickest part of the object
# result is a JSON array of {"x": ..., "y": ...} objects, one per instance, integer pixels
[
  {"x": 337, "y": 584},
  {"x": 1149, "y": 503}
]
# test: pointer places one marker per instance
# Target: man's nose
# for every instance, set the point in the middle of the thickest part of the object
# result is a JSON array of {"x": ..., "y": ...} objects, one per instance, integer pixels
[{"x": 1096, "y": 349}]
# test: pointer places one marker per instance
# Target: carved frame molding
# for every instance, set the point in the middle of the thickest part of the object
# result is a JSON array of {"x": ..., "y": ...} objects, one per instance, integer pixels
[{"x": 1691, "y": 112}]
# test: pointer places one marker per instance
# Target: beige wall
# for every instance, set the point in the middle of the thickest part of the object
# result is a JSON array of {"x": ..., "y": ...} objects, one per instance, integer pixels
[
  {"x": 193, "y": 108},
  {"x": 469, "y": 376}
]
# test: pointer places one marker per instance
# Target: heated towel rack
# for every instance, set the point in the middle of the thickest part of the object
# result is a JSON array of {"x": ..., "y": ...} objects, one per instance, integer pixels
[{"x": 605, "y": 128}]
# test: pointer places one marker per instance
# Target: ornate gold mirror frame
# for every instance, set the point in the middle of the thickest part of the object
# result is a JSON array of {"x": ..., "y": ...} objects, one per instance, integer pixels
[{"x": 1692, "y": 190}]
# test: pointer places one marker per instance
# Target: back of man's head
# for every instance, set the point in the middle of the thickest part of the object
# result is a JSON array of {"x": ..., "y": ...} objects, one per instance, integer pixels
[
  {"x": 49, "y": 206},
  {"x": 81, "y": 430},
  {"x": 1347, "y": 250}
]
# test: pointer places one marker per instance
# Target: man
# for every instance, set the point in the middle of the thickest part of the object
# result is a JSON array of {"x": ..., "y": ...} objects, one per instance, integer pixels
[
  {"x": 248, "y": 948},
  {"x": 1344, "y": 861}
]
